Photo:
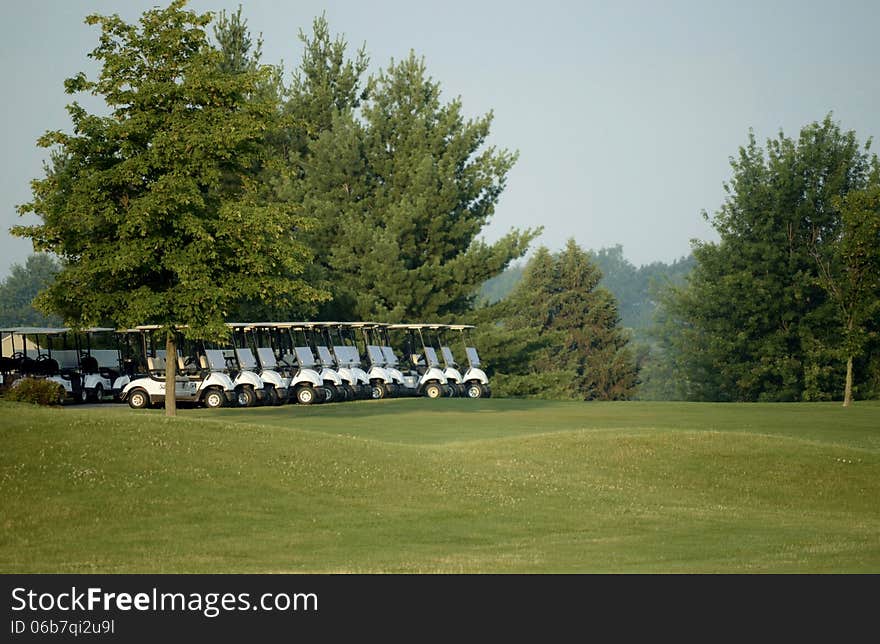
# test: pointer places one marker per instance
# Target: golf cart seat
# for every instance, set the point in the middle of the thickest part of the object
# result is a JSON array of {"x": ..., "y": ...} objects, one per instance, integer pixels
[
  {"x": 48, "y": 367},
  {"x": 88, "y": 364}
]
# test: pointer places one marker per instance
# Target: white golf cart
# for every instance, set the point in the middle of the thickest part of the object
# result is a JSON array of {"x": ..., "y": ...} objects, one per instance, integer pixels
[
  {"x": 298, "y": 363},
  {"x": 360, "y": 338},
  {"x": 201, "y": 377},
  {"x": 57, "y": 354},
  {"x": 474, "y": 379},
  {"x": 421, "y": 360},
  {"x": 303, "y": 337},
  {"x": 332, "y": 348},
  {"x": 253, "y": 352}
]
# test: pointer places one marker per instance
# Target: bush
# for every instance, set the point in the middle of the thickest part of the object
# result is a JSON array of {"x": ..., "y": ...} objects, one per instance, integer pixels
[{"x": 37, "y": 391}]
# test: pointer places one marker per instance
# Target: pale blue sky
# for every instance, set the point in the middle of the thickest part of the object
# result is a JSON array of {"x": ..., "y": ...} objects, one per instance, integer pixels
[{"x": 624, "y": 113}]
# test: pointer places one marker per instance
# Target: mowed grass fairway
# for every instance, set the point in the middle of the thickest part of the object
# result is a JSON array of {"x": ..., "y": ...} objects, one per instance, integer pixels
[{"x": 419, "y": 485}]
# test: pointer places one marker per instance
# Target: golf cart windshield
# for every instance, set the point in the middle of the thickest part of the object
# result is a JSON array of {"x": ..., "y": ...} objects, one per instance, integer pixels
[
  {"x": 267, "y": 357},
  {"x": 216, "y": 361},
  {"x": 447, "y": 356},
  {"x": 304, "y": 357},
  {"x": 375, "y": 355},
  {"x": 473, "y": 358},
  {"x": 431, "y": 355},
  {"x": 325, "y": 356},
  {"x": 390, "y": 358},
  {"x": 246, "y": 359}
]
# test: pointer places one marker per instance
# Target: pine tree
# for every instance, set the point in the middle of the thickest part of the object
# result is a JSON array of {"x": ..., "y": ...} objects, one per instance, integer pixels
[{"x": 580, "y": 350}]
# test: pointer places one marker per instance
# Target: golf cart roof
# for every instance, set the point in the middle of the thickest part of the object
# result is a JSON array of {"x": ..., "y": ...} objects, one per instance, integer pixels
[
  {"x": 361, "y": 325},
  {"x": 460, "y": 327},
  {"x": 36, "y": 330},
  {"x": 417, "y": 326}
]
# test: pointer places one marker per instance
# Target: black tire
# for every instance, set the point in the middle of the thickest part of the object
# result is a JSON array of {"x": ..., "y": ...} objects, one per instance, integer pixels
[
  {"x": 306, "y": 395},
  {"x": 475, "y": 390},
  {"x": 61, "y": 395},
  {"x": 433, "y": 390},
  {"x": 378, "y": 391},
  {"x": 451, "y": 390},
  {"x": 214, "y": 398},
  {"x": 331, "y": 393},
  {"x": 96, "y": 394},
  {"x": 245, "y": 397},
  {"x": 271, "y": 396},
  {"x": 139, "y": 399},
  {"x": 82, "y": 396}
]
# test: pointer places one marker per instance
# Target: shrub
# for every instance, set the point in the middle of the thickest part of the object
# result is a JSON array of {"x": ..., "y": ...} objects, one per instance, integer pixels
[{"x": 37, "y": 391}]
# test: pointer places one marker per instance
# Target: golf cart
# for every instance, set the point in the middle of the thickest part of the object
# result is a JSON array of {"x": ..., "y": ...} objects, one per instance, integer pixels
[
  {"x": 474, "y": 379},
  {"x": 421, "y": 360},
  {"x": 253, "y": 352},
  {"x": 201, "y": 375},
  {"x": 298, "y": 363},
  {"x": 303, "y": 336},
  {"x": 360, "y": 336},
  {"x": 332, "y": 347},
  {"x": 85, "y": 374},
  {"x": 249, "y": 387},
  {"x": 407, "y": 384}
]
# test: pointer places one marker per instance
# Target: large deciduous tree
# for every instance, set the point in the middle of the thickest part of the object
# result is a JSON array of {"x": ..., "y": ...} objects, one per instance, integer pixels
[
  {"x": 753, "y": 322},
  {"x": 157, "y": 210},
  {"x": 850, "y": 273}
]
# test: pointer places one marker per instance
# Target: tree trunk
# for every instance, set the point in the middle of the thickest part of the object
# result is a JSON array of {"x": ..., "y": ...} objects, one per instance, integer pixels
[
  {"x": 847, "y": 392},
  {"x": 170, "y": 375}
]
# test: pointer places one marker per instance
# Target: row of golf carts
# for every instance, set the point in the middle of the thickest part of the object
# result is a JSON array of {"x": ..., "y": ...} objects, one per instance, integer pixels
[{"x": 260, "y": 363}]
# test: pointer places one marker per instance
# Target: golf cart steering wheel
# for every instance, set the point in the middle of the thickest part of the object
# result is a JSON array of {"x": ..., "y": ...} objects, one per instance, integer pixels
[
  {"x": 42, "y": 357},
  {"x": 18, "y": 355}
]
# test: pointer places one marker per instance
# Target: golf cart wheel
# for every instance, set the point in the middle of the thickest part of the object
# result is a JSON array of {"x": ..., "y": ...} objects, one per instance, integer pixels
[
  {"x": 433, "y": 390},
  {"x": 377, "y": 391},
  {"x": 139, "y": 399},
  {"x": 245, "y": 397},
  {"x": 82, "y": 396},
  {"x": 305, "y": 395},
  {"x": 451, "y": 390},
  {"x": 331, "y": 393},
  {"x": 60, "y": 395},
  {"x": 96, "y": 394},
  {"x": 475, "y": 390},
  {"x": 214, "y": 399},
  {"x": 271, "y": 396}
]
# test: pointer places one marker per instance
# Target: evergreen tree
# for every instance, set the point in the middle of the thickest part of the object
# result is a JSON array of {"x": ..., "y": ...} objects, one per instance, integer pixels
[
  {"x": 158, "y": 210},
  {"x": 402, "y": 186},
  {"x": 579, "y": 349}
]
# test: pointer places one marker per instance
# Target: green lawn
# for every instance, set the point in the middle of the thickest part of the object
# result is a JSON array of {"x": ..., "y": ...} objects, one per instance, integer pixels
[{"x": 423, "y": 485}]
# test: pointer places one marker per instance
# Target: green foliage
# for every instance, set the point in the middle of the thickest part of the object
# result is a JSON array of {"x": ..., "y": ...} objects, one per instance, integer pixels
[
  {"x": 21, "y": 286},
  {"x": 401, "y": 184},
  {"x": 158, "y": 210},
  {"x": 37, "y": 391},
  {"x": 753, "y": 322},
  {"x": 577, "y": 349}
]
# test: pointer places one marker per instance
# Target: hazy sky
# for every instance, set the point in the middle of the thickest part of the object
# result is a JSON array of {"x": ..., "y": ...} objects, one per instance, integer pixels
[{"x": 624, "y": 113}]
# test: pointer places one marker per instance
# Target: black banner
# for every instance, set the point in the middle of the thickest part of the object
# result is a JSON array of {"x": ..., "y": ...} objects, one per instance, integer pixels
[{"x": 288, "y": 607}]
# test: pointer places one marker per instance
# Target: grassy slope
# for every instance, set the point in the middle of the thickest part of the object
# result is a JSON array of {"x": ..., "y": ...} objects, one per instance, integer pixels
[{"x": 442, "y": 486}]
